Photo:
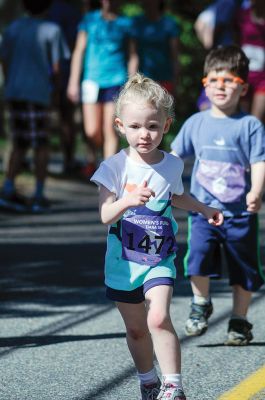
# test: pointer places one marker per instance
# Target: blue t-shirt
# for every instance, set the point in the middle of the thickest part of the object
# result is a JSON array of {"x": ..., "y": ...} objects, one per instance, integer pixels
[
  {"x": 153, "y": 42},
  {"x": 105, "y": 60},
  {"x": 29, "y": 47},
  {"x": 224, "y": 149}
]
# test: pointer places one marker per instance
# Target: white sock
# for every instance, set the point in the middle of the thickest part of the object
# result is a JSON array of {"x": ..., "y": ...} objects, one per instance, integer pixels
[
  {"x": 175, "y": 379},
  {"x": 148, "y": 377},
  {"x": 234, "y": 316},
  {"x": 201, "y": 300}
]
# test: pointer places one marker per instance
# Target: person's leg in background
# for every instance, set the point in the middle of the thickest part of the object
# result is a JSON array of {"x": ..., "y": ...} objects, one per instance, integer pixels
[
  {"x": 110, "y": 136},
  {"x": 68, "y": 132},
  {"x": 254, "y": 101},
  {"x": 15, "y": 163},
  {"x": 19, "y": 128},
  {"x": 39, "y": 203},
  {"x": 258, "y": 105},
  {"x": 93, "y": 122}
]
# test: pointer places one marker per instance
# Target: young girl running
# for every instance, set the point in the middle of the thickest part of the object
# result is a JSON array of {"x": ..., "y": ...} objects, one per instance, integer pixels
[{"x": 137, "y": 187}]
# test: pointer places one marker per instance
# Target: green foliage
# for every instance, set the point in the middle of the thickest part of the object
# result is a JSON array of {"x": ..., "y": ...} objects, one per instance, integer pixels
[{"x": 131, "y": 9}]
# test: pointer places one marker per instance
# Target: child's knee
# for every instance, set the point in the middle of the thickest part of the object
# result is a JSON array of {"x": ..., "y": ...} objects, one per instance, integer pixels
[
  {"x": 137, "y": 333},
  {"x": 158, "y": 320}
]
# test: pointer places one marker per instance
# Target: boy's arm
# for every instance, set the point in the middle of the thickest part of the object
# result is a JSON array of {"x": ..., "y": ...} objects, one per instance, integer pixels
[
  {"x": 189, "y": 203},
  {"x": 111, "y": 210},
  {"x": 254, "y": 196},
  {"x": 76, "y": 67}
]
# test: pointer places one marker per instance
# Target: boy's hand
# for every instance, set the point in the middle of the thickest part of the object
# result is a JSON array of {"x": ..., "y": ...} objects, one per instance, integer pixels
[
  {"x": 254, "y": 202},
  {"x": 214, "y": 216},
  {"x": 140, "y": 195}
]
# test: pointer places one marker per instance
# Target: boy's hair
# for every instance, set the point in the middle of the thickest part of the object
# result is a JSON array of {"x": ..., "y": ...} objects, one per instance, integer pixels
[
  {"x": 139, "y": 87},
  {"x": 230, "y": 58},
  {"x": 36, "y": 7}
]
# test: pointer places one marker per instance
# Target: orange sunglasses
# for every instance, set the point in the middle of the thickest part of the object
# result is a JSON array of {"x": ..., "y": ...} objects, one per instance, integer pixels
[{"x": 228, "y": 80}]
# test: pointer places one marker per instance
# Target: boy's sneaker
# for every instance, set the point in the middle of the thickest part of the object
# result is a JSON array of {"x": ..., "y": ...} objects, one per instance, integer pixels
[
  {"x": 239, "y": 332},
  {"x": 197, "y": 323},
  {"x": 151, "y": 391},
  {"x": 14, "y": 202},
  {"x": 171, "y": 392},
  {"x": 39, "y": 205}
]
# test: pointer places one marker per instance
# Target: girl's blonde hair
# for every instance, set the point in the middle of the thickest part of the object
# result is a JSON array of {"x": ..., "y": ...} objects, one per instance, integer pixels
[{"x": 139, "y": 87}]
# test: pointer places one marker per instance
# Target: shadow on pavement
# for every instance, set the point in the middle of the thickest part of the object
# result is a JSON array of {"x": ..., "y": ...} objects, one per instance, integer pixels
[
  {"x": 34, "y": 341},
  {"x": 223, "y": 345}
]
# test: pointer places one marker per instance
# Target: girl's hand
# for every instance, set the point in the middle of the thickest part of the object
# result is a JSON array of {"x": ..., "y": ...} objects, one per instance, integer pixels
[
  {"x": 214, "y": 216},
  {"x": 140, "y": 195},
  {"x": 73, "y": 93}
]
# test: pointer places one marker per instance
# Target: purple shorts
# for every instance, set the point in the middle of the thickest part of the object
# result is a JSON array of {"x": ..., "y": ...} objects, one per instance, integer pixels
[
  {"x": 137, "y": 295},
  {"x": 239, "y": 237},
  {"x": 108, "y": 94}
]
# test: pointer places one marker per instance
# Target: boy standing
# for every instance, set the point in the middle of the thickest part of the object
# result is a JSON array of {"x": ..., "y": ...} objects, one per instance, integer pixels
[
  {"x": 228, "y": 173},
  {"x": 30, "y": 52}
]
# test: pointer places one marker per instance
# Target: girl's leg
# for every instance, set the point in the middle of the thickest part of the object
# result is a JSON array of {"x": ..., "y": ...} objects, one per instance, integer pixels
[
  {"x": 93, "y": 119},
  {"x": 166, "y": 343},
  {"x": 110, "y": 137},
  {"x": 137, "y": 334}
]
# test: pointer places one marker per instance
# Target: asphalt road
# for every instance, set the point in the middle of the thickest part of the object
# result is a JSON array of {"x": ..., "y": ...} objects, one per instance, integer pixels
[{"x": 61, "y": 339}]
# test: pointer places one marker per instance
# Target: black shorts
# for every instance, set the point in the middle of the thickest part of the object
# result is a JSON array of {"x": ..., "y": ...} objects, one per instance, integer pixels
[{"x": 137, "y": 295}]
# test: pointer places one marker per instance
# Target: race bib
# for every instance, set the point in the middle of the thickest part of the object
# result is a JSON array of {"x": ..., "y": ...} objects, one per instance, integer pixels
[
  {"x": 223, "y": 180},
  {"x": 147, "y": 239},
  {"x": 89, "y": 91}
]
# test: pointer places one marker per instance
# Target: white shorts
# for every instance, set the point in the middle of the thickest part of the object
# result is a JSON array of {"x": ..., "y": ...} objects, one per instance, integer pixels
[{"x": 89, "y": 91}]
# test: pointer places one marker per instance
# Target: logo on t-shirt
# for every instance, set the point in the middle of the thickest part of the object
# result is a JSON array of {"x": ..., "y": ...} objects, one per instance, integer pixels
[{"x": 220, "y": 142}]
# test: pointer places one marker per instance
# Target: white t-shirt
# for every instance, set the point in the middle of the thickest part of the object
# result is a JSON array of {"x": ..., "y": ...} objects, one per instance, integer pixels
[{"x": 150, "y": 237}]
